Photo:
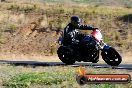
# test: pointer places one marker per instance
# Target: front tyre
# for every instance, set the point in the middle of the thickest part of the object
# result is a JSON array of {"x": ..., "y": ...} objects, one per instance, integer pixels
[
  {"x": 66, "y": 55},
  {"x": 111, "y": 56}
]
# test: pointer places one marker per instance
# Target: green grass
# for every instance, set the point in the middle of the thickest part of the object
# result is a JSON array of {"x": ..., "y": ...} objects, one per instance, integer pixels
[
  {"x": 51, "y": 77},
  {"x": 45, "y": 78}
]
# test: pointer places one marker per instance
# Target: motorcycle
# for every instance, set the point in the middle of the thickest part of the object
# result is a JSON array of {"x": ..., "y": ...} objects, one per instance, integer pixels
[{"x": 88, "y": 50}]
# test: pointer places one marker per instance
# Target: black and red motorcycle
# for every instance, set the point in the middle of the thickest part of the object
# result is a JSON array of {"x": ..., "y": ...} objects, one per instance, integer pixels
[{"x": 88, "y": 50}]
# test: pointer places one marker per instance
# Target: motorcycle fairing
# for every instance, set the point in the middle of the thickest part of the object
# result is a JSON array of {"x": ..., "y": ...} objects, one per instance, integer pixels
[
  {"x": 86, "y": 39},
  {"x": 106, "y": 47},
  {"x": 97, "y": 35}
]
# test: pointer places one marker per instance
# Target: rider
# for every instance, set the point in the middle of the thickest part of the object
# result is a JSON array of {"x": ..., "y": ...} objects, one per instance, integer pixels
[{"x": 71, "y": 33}]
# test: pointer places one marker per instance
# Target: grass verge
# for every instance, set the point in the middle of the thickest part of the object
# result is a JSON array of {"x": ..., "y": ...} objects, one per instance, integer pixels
[{"x": 52, "y": 77}]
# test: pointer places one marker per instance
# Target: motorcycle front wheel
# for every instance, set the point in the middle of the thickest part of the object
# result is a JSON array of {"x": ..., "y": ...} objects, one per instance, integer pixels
[{"x": 111, "y": 56}]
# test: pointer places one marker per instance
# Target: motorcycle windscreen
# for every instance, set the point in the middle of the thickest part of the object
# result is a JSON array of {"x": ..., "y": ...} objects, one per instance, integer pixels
[{"x": 97, "y": 35}]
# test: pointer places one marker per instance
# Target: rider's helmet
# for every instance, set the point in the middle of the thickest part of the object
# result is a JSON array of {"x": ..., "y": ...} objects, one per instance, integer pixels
[{"x": 75, "y": 21}]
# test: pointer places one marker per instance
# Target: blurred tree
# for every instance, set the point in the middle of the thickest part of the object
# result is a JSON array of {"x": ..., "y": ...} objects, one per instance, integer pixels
[{"x": 3, "y": 0}]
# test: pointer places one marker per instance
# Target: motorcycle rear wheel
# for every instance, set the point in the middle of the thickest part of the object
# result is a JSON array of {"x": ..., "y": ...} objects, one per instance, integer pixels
[
  {"x": 111, "y": 56},
  {"x": 66, "y": 55},
  {"x": 95, "y": 59}
]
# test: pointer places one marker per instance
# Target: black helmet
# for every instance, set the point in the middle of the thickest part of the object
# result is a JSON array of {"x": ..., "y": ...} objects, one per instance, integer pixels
[{"x": 75, "y": 19}]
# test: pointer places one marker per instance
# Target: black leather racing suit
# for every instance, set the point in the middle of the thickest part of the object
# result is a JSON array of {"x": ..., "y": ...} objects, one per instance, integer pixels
[{"x": 71, "y": 34}]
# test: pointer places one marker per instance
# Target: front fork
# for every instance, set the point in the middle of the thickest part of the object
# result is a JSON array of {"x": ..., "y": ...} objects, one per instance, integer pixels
[{"x": 102, "y": 45}]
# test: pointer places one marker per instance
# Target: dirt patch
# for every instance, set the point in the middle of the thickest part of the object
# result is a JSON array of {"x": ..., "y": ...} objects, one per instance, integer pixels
[
  {"x": 26, "y": 41},
  {"x": 34, "y": 57},
  {"x": 126, "y": 58}
]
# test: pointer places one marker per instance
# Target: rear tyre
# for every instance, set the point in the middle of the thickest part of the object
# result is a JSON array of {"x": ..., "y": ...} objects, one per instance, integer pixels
[
  {"x": 111, "y": 56},
  {"x": 96, "y": 57},
  {"x": 66, "y": 55}
]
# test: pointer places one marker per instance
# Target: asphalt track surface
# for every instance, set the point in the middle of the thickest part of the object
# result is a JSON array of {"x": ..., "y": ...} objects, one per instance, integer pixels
[{"x": 35, "y": 63}]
